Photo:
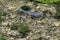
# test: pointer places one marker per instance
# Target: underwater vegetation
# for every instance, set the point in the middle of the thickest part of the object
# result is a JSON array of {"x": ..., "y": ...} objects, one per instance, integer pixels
[
  {"x": 22, "y": 28},
  {"x": 47, "y": 1},
  {"x": 2, "y": 38}
]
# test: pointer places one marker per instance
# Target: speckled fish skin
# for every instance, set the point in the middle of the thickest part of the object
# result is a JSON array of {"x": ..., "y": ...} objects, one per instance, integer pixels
[{"x": 33, "y": 13}]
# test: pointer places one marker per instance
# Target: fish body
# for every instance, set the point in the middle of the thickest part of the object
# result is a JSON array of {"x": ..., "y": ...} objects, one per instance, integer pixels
[{"x": 33, "y": 13}]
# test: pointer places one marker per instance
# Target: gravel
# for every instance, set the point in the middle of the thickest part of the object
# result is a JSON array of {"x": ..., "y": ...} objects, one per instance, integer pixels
[{"x": 47, "y": 28}]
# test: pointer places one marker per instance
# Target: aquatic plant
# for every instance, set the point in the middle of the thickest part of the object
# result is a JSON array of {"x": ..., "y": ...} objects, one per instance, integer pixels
[
  {"x": 22, "y": 28},
  {"x": 2, "y": 13},
  {"x": 2, "y": 38},
  {"x": 57, "y": 15},
  {"x": 47, "y": 1}
]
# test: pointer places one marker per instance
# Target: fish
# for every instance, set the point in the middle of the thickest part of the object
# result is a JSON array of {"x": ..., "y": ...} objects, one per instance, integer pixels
[{"x": 36, "y": 14}]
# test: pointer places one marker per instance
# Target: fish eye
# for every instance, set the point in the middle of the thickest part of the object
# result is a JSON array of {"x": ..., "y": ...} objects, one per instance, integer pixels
[{"x": 25, "y": 8}]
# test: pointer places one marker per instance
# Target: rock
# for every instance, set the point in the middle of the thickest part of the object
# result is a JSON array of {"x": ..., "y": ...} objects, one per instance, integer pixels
[
  {"x": 12, "y": 16},
  {"x": 56, "y": 23},
  {"x": 11, "y": 8},
  {"x": 4, "y": 23}
]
